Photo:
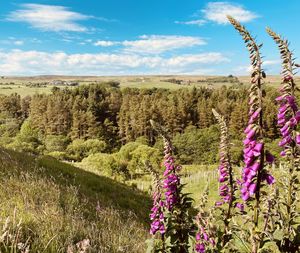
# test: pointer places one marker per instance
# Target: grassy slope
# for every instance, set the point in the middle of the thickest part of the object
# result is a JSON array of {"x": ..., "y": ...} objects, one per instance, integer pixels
[{"x": 60, "y": 205}]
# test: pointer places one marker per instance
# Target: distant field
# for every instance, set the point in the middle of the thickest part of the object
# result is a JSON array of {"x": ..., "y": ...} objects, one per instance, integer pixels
[
  {"x": 23, "y": 90},
  {"x": 9, "y": 85}
]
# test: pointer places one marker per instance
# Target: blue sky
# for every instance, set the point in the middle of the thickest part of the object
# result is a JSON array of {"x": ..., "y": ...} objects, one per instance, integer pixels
[{"x": 129, "y": 37}]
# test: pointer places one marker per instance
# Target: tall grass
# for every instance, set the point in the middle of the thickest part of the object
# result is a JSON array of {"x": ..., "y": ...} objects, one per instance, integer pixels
[{"x": 54, "y": 207}]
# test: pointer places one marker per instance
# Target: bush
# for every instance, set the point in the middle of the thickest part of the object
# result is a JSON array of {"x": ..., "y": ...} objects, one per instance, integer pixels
[
  {"x": 105, "y": 165},
  {"x": 138, "y": 157},
  {"x": 80, "y": 149},
  {"x": 27, "y": 140}
]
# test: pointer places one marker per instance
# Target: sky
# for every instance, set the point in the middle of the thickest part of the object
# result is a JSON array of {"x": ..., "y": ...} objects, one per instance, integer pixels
[{"x": 139, "y": 37}]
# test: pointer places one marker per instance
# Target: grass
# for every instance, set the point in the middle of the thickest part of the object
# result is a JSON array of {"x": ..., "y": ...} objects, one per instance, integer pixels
[
  {"x": 195, "y": 177},
  {"x": 53, "y": 206},
  {"x": 23, "y": 90}
]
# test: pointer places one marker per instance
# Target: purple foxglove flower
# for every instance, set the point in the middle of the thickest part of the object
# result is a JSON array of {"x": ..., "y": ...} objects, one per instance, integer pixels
[
  {"x": 269, "y": 158},
  {"x": 282, "y": 153},
  {"x": 285, "y": 133},
  {"x": 219, "y": 203},
  {"x": 281, "y": 121},
  {"x": 285, "y": 141},
  {"x": 227, "y": 198},
  {"x": 270, "y": 179},
  {"x": 245, "y": 196},
  {"x": 290, "y": 99},
  {"x": 248, "y": 128},
  {"x": 252, "y": 173},
  {"x": 212, "y": 241},
  {"x": 293, "y": 122},
  {"x": 246, "y": 141},
  {"x": 281, "y": 116},
  {"x": 251, "y": 134},
  {"x": 283, "y": 108},
  {"x": 254, "y": 116},
  {"x": 252, "y": 189},
  {"x": 258, "y": 147},
  {"x": 244, "y": 189},
  {"x": 162, "y": 229},
  {"x": 240, "y": 206},
  {"x": 255, "y": 166},
  {"x": 200, "y": 248},
  {"x": 298, "y": 139},
  {"x": 297, "y": 116}
]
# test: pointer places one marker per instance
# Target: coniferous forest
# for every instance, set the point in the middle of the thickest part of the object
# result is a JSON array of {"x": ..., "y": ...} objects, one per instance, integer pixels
[{"x": 115, "y": 116}]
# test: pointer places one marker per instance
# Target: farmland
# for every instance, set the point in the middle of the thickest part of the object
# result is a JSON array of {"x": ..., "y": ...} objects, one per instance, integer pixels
[{"x": 28, "y": 85}]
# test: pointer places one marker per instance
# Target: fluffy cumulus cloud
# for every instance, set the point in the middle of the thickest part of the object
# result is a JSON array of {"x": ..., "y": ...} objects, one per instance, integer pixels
[
  {"x": 49, "y": 18},
  {"x": 105, "y": 43},
  {"x": 156, "y": 44},
  {"x": 217, "y": 12},
  {"x": 18, "y": 62}
]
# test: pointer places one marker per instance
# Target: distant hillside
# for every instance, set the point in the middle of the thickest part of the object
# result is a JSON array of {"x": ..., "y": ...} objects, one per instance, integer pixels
[{"x": 59, "y": 206}]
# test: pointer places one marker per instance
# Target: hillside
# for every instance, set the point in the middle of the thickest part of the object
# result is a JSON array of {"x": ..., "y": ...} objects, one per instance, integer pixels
[{"x": 48, "y": 206}]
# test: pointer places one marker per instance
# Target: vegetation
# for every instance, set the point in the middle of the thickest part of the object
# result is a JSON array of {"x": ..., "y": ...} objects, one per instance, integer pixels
[
  {"x": 265, "y": 217},
  {"x": 57, "y": 206},
  {"x": 77, "y": 164}
]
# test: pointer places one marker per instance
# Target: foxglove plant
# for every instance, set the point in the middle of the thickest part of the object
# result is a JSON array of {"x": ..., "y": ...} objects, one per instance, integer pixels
[
  {"x": 254, "y": 172},
  {"x": 227, "y": 185},
  {"x": 226, "y": 189},
  {"x": 205, "y": 240},
  {"x": 288, "y": 120},
  {"x": 157, "y": 211},
  {"x": 178, "y": 223}
]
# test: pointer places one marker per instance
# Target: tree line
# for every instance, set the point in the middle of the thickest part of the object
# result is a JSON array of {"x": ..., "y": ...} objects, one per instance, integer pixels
[{"x": 119, "y": 116}]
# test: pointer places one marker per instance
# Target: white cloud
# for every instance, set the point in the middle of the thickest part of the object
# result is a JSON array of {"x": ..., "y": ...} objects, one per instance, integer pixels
[
  {"x": 18, "y": 62},
  {"x": 49, "y": 18},
  {"x": 19, "y": 42},
  {"x": 217, "y": 12},
  {"x": 197, "y": 22},
  {"x": 105, "y": 43},
  {"x": 271, "y": 62},
  {"x": 12, "y": 41},
  {"x": 156, "y": 44}
]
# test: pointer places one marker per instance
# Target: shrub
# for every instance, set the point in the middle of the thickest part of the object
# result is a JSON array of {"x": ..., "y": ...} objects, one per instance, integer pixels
[{"x": 79, "y": 148}]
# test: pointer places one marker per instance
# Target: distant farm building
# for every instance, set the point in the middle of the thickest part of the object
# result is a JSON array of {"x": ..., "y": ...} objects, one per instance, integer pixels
[{"x": 63, "y": 83}]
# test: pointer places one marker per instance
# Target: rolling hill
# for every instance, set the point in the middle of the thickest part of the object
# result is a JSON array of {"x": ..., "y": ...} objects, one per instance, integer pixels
[{"x": 49, "y": 206}]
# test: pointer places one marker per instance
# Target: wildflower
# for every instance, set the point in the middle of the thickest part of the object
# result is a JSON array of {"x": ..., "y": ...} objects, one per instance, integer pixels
[
  {"x": 171, "y": 181},
  {"x": 157, "y": 211},
  {"x": 226, "y": 189},
  {"x": 202, "y": 238},
  {"x": 288, "y": 117}
]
